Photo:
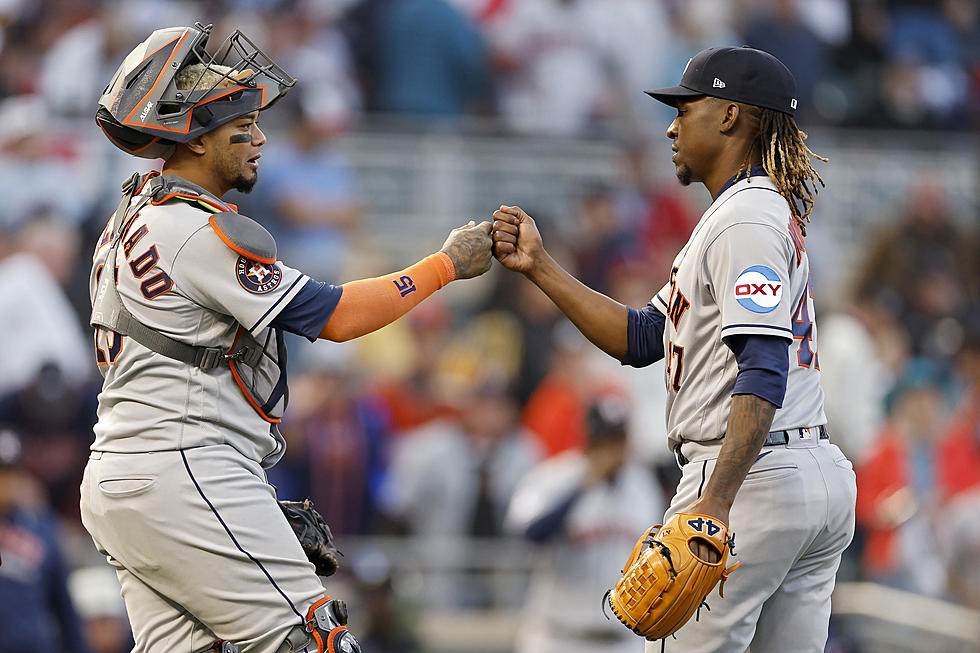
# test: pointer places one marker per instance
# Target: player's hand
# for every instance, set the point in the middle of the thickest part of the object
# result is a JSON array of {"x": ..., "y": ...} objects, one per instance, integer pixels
[
  {"x": 516, "y": 240},
  {"x": 469, "y": 249},
  {"x": 719, "y": 511}
]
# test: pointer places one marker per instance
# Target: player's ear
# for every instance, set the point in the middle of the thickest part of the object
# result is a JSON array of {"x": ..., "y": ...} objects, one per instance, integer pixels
[
  {"x": 729, "y": 118},
  {"x": 196, "y": 144}
]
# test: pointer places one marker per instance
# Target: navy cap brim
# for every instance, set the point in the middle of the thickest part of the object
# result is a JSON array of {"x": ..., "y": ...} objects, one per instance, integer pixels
[{"x": 671, "y": 95}]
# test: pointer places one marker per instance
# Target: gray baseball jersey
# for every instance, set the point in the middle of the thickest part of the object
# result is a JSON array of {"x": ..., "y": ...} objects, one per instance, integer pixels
[
  {"x": 176, "y": 274},
  {"x": 743, "y": 271}
]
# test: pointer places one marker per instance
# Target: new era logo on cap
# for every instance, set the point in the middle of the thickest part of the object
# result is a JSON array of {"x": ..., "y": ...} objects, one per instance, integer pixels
[
  {"x": 717, "y": 83},
  {"x": 792, "y": 103}
]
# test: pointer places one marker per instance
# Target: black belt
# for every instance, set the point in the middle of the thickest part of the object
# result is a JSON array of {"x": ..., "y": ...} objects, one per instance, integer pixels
[
  {"x": 776, "y": 438},
  {"x": 773, "y": 439}
]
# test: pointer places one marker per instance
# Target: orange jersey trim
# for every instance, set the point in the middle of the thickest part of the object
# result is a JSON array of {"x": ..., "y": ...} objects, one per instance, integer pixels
[
  {"x": 241, "y": 386},
  {"x": 236, "y": 248}
]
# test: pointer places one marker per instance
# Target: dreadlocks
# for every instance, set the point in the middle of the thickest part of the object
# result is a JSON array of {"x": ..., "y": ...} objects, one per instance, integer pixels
[{"x": 786, "y": 159}]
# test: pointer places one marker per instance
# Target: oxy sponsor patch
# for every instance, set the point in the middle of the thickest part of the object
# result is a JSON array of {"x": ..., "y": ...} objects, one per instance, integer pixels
[
  {"x": 256, "y": 277},
  {"x": 758, "y": 288}
]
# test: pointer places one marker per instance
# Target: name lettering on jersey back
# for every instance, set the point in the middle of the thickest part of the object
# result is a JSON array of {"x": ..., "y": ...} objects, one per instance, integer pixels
[
  {"x": 153, "y": 283},
  {"x": 797, "y": 235},
  {"x": 677, "y": 303}
]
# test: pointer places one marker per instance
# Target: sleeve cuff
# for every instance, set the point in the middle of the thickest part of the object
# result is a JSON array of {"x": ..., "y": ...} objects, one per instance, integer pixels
[
  {"x": 280, "y": 304},
  {"x": 756, "y": 329}
]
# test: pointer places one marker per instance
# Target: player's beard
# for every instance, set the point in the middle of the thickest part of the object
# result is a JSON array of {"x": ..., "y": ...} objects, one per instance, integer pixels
[
  {"x": 244, "y": 184},
  {"x": 683, "y": 174}
]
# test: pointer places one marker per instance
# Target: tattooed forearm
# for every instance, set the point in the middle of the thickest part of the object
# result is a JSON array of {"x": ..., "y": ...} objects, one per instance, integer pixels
[
  {"x": 469, "y": 250},
  {"x": 748, "y": 425}
]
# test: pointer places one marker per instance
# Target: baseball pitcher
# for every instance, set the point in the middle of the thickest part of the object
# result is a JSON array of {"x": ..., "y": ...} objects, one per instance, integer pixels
[{"x": 736, "y": 328}]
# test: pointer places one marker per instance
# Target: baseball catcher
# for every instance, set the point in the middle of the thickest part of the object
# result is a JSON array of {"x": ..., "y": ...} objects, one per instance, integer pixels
[{"x": 190, "y": 307}]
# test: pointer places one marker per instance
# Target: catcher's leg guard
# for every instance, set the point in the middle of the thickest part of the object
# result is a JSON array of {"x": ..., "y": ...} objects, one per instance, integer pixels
[
  {"x": 325, "y": 631},
  {"x": 222, "y": 646}
]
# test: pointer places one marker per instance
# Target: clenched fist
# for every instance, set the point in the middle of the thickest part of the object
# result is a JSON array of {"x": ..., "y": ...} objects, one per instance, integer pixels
[{"x": 469, "y": 249}]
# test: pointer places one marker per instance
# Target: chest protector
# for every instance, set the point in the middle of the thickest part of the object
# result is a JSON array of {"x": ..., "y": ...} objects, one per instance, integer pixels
[{"x": 259, "y": 368}]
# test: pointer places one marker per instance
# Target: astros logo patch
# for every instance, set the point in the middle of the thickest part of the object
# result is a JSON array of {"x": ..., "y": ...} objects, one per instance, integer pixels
[
  {"x": 758, "y": 289},
  {"x": 256, "y": 277}
]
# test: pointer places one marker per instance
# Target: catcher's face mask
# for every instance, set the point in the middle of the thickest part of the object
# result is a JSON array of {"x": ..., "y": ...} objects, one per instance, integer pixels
[{"x": 152, "y": 102}]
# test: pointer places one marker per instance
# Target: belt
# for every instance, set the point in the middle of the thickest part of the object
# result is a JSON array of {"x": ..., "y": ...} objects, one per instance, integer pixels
[
  {"x": 773, "y": 439},
  {"x": 776, "y": 438}
]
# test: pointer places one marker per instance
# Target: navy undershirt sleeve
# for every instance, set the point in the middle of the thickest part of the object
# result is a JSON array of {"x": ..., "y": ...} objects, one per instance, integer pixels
[
  {"x": 309, "y": 310},
  {"x": 551, "y": 523},
  {"x": 763, "y": 365},
  {"x": 644, "y": 336}
]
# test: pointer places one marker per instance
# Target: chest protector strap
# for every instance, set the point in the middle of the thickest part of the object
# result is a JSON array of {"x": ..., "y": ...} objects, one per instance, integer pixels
[{"x": 108, "y": 311}]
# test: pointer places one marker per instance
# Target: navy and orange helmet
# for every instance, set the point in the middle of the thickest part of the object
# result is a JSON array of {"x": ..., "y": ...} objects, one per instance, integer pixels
[{"x": 145, "y": 111}]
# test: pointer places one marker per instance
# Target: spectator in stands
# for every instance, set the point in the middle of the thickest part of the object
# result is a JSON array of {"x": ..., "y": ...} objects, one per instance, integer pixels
[
  {"x": 385, "y": 623},
  {"x": 420, "y": 58},
  {"x": 921, "y": 267},
  {"x": 585, "y": 510},
  {"x": 537, "y": 317},
  {"x": 959, "y": 448},
  {"x": 36, "y": 612},
  {"x": 858, "y": 62},
  {"x": 782, "y": 33},
  {"x": 925, "y": 85},
  {"x": 959, "y": 480},
  {"x": 96, "y": 593},
  {"x": 898, "y": 485},
  {"x": 337, "y": 438},
  {"x": 400, "y": 365},
  {"x": 313, "y": 191},
  {"x": 40, "y": 327},
  {"x": 45, "y": 167},
  {"x": 862, "y": 350},
  {"x": 452, "y": 479},
  {"x": 555, "y": 411},
  {"x": 82, "y": 56},
  {"x": 550, "y": 74},
  {"x": 603, "y": 241},
  {"x": 315, "y": 51}
]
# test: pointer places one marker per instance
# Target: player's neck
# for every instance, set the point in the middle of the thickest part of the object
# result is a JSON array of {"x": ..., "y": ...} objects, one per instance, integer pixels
[
  {"x": 737, "y": 151},
  {"x": 195, "y": 175},
  {"x": 726, "y": 168}
]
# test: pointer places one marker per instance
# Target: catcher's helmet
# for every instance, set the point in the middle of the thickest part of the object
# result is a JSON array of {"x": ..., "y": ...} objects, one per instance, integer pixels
[{"x": 143, "y": 111}]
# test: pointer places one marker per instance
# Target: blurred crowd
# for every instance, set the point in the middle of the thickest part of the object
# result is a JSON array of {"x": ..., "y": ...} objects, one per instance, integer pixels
[
  {"x": 483, "y": 413},
  {"x": 566, "y": 67}
]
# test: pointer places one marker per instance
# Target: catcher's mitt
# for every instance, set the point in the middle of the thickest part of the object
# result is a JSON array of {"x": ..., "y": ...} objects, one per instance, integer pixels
[
  {"x": 663, "y": 582},
  {"x": 313, "y": 534}
]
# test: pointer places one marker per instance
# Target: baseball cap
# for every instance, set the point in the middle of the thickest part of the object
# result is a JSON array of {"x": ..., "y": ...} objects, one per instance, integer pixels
[
  {"x": 740, "y": 74},
  {"x": 606, "y": 418}
]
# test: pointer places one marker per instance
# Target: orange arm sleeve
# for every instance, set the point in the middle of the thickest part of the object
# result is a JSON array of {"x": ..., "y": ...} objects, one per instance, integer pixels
[{"x": 369, "y": 304}]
